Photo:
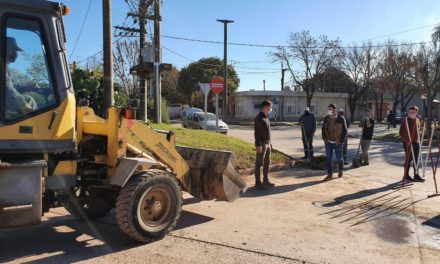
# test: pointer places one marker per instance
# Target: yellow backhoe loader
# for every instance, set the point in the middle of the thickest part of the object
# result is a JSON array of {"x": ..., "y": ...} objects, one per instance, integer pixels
[{"x": 55, "y": 153}]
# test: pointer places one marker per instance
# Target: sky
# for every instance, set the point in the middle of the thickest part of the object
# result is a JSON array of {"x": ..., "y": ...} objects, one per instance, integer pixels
[{"x": 257, "y": 22}]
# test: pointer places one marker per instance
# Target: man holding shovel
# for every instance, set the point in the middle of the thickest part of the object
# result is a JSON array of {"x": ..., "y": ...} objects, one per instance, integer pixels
[
  {"x": 409, "y": 132},
  {"x": 341, "y": 112},
  {"x": 367, "y": 125},
  {"x": 308, "y": 128}
]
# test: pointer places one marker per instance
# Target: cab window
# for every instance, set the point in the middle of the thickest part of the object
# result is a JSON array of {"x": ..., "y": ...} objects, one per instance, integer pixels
[{"x": 28, "y": 87}]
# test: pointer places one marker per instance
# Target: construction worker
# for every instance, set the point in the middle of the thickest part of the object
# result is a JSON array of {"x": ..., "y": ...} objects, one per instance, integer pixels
[
  {"x": 16, "y": 104},
  {"x": 367, "y": 125},
  {"x": 263, "y": 145},
  {"x": 345, "y": 145},
  {"x": 308, "y": 128},
  {"x": 409, "y": 132},
  {"x": 334, "y": 133}
]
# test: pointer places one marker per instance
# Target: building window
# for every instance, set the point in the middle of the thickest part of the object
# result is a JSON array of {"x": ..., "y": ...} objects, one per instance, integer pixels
[
  {"x": 238, "y": 109},
  {"x": 313, "y": 108},
  {"x": 291, "y": 109}
]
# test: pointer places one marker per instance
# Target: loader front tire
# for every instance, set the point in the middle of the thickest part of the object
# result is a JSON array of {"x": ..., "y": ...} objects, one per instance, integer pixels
[{"x": 149, "y": 205}]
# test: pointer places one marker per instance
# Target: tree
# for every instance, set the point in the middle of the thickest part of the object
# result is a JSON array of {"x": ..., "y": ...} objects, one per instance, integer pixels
[
  {"x": 427, "y": 74},
  {"x": 88, "y": 85},
  {"x": 360, "y": 63},
  {"x": 203, "y": 71},
  {"x": 397, "y": 74},
  {"x": 306, "y": 57},
  {"x": 170, "y": 86},
  {"x": 333, "y": 80},
  {"x": 126, "y": 55}
]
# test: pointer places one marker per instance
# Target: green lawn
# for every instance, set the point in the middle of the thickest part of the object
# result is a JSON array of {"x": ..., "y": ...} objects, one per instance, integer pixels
[{"x": 244, "y": 151}]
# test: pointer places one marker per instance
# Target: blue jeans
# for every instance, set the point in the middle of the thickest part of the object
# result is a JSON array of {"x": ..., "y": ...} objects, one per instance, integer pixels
[{"x": 337, "y": 148}]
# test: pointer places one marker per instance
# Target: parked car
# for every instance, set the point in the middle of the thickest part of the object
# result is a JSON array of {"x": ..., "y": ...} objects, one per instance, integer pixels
[
  {"x": 400, "y": 116},
  {"x": 186, "y": 112},
  {"x": 197, "y": 121}
]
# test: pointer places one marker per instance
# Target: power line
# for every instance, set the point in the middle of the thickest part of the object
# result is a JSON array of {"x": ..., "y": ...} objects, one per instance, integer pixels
[
  {"x": 397, "y": 33},
  {"x": 81, "y": 29}
]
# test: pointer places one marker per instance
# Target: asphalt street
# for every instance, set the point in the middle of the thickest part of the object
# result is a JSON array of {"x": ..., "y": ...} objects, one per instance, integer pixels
[{"x": 360, "y": 218}]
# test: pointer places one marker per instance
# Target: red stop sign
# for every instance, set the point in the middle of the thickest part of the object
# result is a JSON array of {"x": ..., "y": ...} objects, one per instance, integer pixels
[{"x": 217, "y": 84}]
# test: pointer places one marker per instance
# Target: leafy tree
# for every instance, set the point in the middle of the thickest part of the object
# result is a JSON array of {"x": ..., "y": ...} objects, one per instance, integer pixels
[
  {"x": 333, "y": 80},
  {"x": 89, "y": 85},
  {"x": 170, "y": 86},
  {"x": 203, "y": 71}
]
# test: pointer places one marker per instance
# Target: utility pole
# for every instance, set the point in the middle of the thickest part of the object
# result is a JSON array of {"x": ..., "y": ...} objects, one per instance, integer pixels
[
  {"x": 264, "y": 85},
  {"x": 157, "y": 62},
  {"x": 143, "y": 114},
  {"x": 108, "y": 54},
  {"x": 225, "y": 110},
  {"x": 282, "y": 76}
]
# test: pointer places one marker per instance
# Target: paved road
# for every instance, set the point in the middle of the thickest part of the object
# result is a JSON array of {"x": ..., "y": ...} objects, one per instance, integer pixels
[{"x": 357, "y": 219}]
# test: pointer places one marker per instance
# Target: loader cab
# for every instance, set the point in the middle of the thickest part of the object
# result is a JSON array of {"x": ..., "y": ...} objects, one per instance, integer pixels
[{"x": 37, "y": 105}]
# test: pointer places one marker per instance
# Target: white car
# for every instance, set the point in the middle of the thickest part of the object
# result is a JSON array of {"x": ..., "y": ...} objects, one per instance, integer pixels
[
  {"x": 186, "y": 112},
  {"x": 197, "y": 121}
]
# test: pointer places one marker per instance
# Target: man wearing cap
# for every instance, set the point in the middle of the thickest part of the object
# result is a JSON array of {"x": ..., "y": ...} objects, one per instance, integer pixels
[
  {"x": 16, "y": 104},
  {"x": 341, "y": 112},
  {"x": 367, "y": 125},
  {"x": 308, "y": 128}
]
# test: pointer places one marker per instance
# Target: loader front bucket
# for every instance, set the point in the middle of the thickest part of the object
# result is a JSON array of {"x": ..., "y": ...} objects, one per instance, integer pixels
[{"x": 212, "y": 174}]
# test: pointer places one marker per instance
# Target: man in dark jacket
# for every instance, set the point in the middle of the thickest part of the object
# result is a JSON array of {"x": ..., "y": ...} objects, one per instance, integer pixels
[
  {"x": 263, "y": 145},
  {"x": 334, "y": 133},
  {"x": 367, "y": 125},
  {"x": 341, "y": 112},
  {"x": 308, "y": 128}
]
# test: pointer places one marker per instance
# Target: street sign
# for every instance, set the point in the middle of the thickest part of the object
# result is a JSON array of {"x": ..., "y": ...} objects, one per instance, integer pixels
[
  {"x": 217, "y": 84},
  {"x": 205, "y": 87}
]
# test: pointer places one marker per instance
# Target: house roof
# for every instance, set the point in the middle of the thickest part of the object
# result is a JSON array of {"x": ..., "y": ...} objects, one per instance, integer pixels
[{"x": 289, "y": 93}]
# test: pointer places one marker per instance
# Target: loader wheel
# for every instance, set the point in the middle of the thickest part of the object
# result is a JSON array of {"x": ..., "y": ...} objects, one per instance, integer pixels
[
  {"x": 84, "y": 204},
  {"x": 149, "y": 206}
]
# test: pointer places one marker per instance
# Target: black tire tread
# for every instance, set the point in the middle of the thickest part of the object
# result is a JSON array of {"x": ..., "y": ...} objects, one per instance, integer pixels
[{"x": 123, "y": 208}]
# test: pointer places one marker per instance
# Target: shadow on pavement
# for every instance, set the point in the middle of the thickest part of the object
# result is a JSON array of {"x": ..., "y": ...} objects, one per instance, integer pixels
[
  {"x": 433, "y": 222},
  {"x": 362, "y": 194},
  {"x": 253, "y": 192},
  {"x": 63, "y": 239}
]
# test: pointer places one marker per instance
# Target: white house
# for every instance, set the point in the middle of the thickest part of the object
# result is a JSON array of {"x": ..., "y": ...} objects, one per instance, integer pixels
[{"x": 288, "y": 105}]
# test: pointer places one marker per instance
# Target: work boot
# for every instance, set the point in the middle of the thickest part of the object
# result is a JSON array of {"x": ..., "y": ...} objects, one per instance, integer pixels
[
  {"x": 418, "y": 178},
  {"x": 340, "y": 174},
  {"x": 329, "y": 177},
  {"x": 408, "y": 178},
  {"x": 259, "y": 185},
  {"x": 268, "y": 183},
  {"x": 365, "y": 163}
]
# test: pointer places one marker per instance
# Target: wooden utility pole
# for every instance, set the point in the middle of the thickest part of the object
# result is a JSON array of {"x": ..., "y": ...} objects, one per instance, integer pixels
[
  {"x": 108, "y": 54},
  {"x": 142, "y": 87},
  {"x": 157, "y": 62}
]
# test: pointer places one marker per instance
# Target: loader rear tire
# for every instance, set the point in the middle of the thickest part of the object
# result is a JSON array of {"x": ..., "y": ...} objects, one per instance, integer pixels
[{"x": 149, "y": 205}]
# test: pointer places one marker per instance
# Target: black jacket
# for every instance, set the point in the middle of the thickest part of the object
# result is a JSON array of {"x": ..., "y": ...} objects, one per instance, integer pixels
[
  {"x": 309, "y": 123},
  {"x": 262, "y": 129}
]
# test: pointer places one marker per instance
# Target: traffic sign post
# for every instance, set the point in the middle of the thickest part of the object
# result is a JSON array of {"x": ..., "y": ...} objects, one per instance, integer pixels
[
  {"x": 205, "y": 87},
  {"x": 217, "y": 86}
]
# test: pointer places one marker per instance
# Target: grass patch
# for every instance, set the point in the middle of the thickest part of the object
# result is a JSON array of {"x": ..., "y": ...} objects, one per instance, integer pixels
[
  {"x": 391, "y": 136},
  {"x": 244, "y": 151}
]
